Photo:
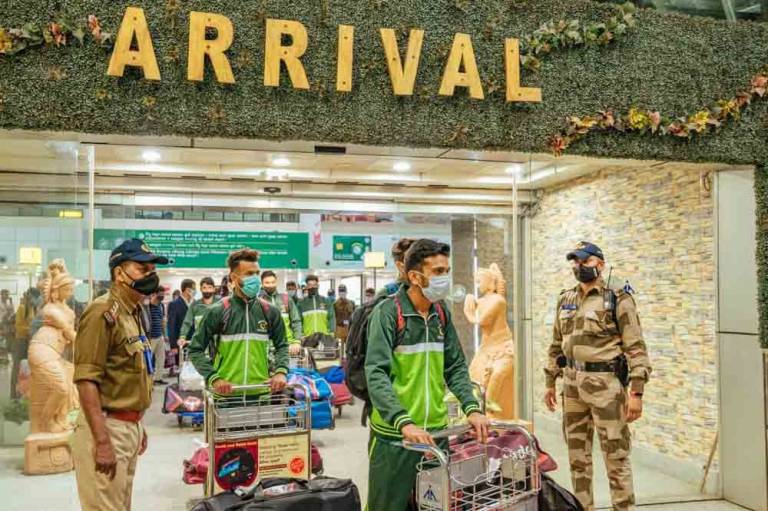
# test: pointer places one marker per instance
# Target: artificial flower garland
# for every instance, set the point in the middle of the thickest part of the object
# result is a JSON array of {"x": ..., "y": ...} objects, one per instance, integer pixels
[
  {"x": 57, "y": 33},
  {"x": 653, "y": 122},
  {"x": 570, "y": 34}
]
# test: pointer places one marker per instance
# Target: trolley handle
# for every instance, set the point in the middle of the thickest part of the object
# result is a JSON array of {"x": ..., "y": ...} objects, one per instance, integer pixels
[
  {"x": 264, "y": 386},
  {"x": 438, "y": 453},
  {"x": 444, "y": 457}
]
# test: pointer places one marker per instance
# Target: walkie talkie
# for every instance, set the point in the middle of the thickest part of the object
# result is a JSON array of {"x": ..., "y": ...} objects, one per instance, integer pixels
[{"x": 608, "y": 294}]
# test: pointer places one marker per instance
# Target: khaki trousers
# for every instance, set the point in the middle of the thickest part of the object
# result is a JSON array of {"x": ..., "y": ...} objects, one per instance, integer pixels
[
  {"x": 158, "y": 349},
  {"x": 96, "y": 491}
]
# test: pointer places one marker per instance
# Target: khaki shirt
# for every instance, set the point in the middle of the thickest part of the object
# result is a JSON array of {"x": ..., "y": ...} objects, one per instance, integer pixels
[
  {"x": 109, "y": 352},
  {"x": 584, "y": 330}
]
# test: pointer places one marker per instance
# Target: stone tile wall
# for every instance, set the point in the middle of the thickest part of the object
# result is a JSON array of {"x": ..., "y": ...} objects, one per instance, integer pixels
[{"x": 656, "y": 227}]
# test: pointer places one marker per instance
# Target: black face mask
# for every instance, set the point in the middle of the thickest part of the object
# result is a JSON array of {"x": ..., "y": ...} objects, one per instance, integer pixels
[
  {"x": 312, "y": 291},
  {"x": 270, "y": 290},
  {"x": 147, "y": 285},
  {"x": 585, "y": 274},
  {"x": 208, "y": 295}
]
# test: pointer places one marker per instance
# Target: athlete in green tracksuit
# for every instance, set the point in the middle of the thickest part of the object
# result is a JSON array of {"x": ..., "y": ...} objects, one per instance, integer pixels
[
  {"x": 413, "y": 352},
  {"x": 196, "y": 310},
  {"x": 287, "y": 307},
  {"x": 316, "y": 313},
  {"x": 242, "y": 327}
]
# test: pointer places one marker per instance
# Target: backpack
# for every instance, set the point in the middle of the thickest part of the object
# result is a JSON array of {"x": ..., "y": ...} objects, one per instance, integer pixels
[{"x": 357, "y": 347}]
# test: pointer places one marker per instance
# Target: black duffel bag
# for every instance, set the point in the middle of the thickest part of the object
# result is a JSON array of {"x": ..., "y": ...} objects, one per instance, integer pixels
[
  {"x": 320, "y": 494},
  {"x": 554, "y": 497}
]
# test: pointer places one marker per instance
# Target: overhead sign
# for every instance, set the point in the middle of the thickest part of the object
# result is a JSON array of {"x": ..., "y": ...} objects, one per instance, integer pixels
[
  {"x": 375, "y": 260},
  {"x": 460, "y": 70},
  {"x": 350, "y": 248},
  {"x": 210, "y": 249}
]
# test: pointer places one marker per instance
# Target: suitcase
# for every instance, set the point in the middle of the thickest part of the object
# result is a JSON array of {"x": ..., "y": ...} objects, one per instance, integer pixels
[
  {"x": 320, "y": 494},
  {"x": 322, "y": 415},
  {"x": 341, "y": 394},
  {"x": 177, "y": 400},
  {"x": 317, "y": 461}
]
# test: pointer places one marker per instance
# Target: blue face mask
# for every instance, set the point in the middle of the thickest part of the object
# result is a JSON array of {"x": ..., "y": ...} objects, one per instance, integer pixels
[
  {"x": 439, "y": 288},
  {"x": 250, "y": 286}
]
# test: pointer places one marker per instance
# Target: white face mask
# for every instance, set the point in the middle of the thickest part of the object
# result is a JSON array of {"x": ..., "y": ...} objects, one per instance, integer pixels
[{"x": 438, "y": 289}]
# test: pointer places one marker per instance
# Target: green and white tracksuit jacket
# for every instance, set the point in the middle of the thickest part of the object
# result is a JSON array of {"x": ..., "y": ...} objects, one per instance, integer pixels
[
  {"x": 241, "y": 337},
  {"x": 317, "y": 315},
  {"x": 290, "y": 313},
  {"x": 407, "y": 370},
  {"x": 194, "y": 316}
]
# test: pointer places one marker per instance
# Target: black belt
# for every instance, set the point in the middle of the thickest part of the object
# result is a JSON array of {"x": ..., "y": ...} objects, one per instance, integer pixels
[{"x": 591, "y": 367}]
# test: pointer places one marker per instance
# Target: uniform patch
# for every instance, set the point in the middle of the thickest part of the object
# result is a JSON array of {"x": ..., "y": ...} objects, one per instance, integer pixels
[
  {"x": 262, "y": 325},
  {"x": 111, "y": 315}
]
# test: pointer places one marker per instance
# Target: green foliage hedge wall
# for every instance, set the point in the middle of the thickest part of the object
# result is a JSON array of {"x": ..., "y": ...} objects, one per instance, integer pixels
[
  {"x": 761, "y": 192},
  {"x": 674, "y": 64},
  {"x": 670, "y": 63}
]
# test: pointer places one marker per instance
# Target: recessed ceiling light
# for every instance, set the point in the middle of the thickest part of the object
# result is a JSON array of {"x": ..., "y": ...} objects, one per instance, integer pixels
[
  {"x": 515, "y": 170},
  {"x": 152, "y": 156},
  {"x": 401, "y": 166},
  {"x": 281, "y": 161}
]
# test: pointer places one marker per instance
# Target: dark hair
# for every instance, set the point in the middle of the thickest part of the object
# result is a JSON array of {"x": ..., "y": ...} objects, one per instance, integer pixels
[
  {"x": 268, "y": 273},
  {"x": 400, "y": 248},
  {"x": 207, "y": 280},
  {"x": 424, "y": 249},
  {"x": 370, "y": 291},
  {"x": 311, "y": 278},
  {"x": 224, "y": 288},
  {"x": 244, "y": 254},
  {"x": 186, "y": 284},
  {"x": 291, "y": 283}
]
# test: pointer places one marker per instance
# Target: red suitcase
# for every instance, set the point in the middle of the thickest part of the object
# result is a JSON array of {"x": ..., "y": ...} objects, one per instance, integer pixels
[{"x": 341, "y": 396}]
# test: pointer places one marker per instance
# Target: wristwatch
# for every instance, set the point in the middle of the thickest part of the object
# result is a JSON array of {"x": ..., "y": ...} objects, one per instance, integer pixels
[{"x": 637, "y": 394}]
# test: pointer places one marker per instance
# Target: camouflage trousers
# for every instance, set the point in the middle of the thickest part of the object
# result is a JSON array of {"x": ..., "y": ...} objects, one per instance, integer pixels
[{"x": 596, "y": 401}]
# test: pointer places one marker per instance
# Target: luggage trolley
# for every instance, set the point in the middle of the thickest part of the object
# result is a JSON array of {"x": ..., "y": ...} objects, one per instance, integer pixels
[
  {"x": 252, "y": 436},
  {"x": 485, "y": 481},
  {"x": 184, "y": 403},
  {"x": 302, "y": 361},
  {"x": 327, "y": 351}
]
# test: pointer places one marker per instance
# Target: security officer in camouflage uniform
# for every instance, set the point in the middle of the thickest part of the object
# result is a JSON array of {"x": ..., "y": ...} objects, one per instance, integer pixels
[
  {"x": 113, "y": 373},
  {"x": 595, "y": 331}
]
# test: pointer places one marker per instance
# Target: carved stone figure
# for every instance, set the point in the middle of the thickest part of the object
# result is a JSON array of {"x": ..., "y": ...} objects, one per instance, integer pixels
[
  {"x": 494, "y": 364},
  {"x": 52, "y": 393}
]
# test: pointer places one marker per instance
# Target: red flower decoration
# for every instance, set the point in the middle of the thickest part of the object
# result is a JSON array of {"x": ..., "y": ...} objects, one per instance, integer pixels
[
  {"x": 95, "y": 27},
  {"x": 59, "y": 37},
  {"x": 759, "y": 85}
]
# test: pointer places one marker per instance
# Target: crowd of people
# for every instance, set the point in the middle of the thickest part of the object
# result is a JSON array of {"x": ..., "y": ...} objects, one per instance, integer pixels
[{"x": 243, "y": 332}]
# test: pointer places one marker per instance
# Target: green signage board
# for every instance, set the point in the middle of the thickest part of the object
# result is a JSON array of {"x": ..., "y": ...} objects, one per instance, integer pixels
[
  {"x": 209, "y": 249},
  {"x": 350, "y": 248}
]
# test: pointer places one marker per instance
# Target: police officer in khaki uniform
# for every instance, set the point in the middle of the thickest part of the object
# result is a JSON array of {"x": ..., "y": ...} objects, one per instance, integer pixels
[
  {"x": 113, "y": 373},
  {"x": 596, "y": 336}
]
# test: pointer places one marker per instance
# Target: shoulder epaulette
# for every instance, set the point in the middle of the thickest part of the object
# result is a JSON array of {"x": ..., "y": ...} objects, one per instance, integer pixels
[{"x": 111, "y": 314}]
